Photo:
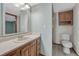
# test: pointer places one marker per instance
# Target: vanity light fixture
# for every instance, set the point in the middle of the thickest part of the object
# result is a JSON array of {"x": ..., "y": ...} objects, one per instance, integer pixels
[
  {"x": 18, "y": 4},
  {"x": 25, "y": 7},
  {"x": 22, "y": 6}
]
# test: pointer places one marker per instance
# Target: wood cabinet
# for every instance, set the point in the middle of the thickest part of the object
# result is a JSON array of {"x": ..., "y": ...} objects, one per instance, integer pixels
[
  {"x": 30, "y": 49},
  {"x": 38, "y": 47},
  {"x": 13, "y": 53},
  {"x": 66, "y": 18},
  {"x": 25, "y": 51}
]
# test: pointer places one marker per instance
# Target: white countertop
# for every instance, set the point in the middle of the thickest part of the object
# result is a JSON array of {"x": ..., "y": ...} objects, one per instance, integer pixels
[{"x": 12, "y": 44}]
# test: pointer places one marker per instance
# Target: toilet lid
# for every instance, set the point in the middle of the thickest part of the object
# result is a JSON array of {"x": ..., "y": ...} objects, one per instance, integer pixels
[{"x": 67, "y": 44}]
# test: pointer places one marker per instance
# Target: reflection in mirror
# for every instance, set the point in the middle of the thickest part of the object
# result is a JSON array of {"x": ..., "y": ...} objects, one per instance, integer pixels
[
  {"x": 17, "y": 17},
  {"x": 10, "y": 23},
  {"x": 1, "y": 17}
]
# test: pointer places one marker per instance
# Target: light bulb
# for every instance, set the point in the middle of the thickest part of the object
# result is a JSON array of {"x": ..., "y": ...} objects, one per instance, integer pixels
[
  {"x": 18, "y": 4},
  {"x": 25, "y": 7}
]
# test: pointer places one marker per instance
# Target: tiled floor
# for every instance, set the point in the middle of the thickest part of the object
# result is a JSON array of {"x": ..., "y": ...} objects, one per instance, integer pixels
[{"x": 58, "y": 51}]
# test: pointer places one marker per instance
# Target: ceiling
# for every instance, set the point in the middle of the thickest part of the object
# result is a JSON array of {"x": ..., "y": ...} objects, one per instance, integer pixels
[
  {"x": 11, "y": 8},
  {"x": 58, "y": 7},
  {"x": 33, "y": 4}
]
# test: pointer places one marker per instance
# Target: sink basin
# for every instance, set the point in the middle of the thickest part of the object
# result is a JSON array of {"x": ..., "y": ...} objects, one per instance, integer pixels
[{"x": 19, "y": 40}]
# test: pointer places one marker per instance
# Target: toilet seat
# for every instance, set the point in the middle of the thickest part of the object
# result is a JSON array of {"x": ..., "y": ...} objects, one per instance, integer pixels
[{"x": 67, "y": 44}]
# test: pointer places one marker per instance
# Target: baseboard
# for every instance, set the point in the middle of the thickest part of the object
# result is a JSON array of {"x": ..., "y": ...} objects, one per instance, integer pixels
[
  {"x": 56, "y": 44},
  {"x": 75, "y": 51},
  {"x": 41, "y": 54}
]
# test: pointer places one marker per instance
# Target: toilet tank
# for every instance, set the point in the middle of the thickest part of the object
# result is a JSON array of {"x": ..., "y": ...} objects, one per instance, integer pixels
[{"x": 65, "y": 37}]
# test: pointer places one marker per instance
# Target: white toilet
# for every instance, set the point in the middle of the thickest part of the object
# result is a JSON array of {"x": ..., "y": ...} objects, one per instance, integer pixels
[{"x": 65, "y": 41}]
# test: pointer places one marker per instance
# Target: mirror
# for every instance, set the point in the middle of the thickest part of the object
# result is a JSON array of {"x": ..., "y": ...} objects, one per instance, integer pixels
[
  {"x": 10, "y": 23},
  {"x": 16, "y": 17},
  {"x": 1, "y": 17}
]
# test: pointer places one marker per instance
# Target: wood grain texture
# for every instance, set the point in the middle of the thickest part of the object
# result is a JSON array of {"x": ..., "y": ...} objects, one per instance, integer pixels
[
  {"x": 30, "y": 49},
  {"x": 66, "y": 18}
]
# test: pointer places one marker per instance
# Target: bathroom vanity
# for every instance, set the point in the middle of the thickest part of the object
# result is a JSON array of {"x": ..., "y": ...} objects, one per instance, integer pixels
[{"x": 28, "y": 46}]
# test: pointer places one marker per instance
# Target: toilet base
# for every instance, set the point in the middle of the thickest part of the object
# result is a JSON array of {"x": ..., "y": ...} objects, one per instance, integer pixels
[{"x": 66, "y": 50}]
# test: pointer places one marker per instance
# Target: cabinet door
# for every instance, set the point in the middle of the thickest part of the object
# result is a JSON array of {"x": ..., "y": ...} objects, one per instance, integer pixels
[
  {"x": 32, "y": 49},
  {"x": 65, "y": 18},
  {"x": 38, "y": 46},
  {"x": 62, "y": 16},
  {"x": 69, "y": 16},
  {"x": 25, "y": 51},
  {"x": 14, "y": 53}
]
